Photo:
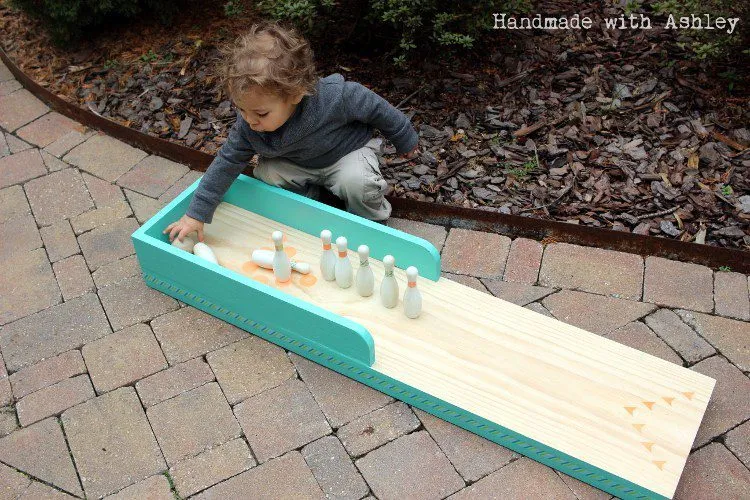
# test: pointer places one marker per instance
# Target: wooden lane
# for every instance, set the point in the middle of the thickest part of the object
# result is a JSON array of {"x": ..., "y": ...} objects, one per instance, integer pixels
[{"x": 626, "y": 412}]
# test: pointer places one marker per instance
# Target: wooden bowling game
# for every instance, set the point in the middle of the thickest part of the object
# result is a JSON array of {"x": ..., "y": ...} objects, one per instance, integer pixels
[{"x": 609, "y": 415}]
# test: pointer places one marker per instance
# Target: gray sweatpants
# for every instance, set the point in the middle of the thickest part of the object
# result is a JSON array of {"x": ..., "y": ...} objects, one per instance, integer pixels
[{"x": 355, "y": 178}]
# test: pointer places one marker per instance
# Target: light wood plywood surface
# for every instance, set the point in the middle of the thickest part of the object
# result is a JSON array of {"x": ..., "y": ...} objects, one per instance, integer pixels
[{"x": 629, "y": 413}]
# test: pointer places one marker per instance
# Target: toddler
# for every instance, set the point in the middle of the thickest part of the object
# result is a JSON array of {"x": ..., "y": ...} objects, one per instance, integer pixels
[{"x": 309, "y": 132}]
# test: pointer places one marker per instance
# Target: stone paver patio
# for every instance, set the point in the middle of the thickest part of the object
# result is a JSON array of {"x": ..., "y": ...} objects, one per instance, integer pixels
[{"x": 111, "y": 389}]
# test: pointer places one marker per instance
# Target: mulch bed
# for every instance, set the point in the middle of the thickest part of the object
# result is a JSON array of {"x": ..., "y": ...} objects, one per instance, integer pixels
[{"x": 612, "y": 129}]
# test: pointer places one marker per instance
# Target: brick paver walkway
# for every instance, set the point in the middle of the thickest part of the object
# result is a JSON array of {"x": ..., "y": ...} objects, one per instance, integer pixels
[{"x": 110, "y": 388}]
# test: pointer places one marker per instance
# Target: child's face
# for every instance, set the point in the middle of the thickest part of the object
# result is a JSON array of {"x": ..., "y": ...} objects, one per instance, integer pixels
[{"x": 265, "y": 112}]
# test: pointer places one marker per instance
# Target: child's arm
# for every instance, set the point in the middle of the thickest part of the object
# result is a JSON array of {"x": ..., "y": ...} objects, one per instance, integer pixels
[
  {"x": 229, "y": 163},
  {"x": 364, "y": 105}
]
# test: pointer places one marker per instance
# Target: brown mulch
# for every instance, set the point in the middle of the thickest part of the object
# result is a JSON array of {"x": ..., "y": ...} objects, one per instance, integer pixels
[{"x": 613, "y": 129}]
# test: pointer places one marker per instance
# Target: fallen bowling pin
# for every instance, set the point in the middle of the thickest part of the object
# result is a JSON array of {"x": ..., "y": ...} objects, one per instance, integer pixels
[
  {"x": 412, "y": 295},
  {"x": 264, "y": 258},
  {"x": 343, "y": 268},
  {"x": 282, "y": 268},
  {"x": 328, "y": 257},
  {"x": 389, "y": 285},
  {"x": 365, "y": 278},
  {"x": 204, "y": 252},
  {"x": 186, "y": 244}
]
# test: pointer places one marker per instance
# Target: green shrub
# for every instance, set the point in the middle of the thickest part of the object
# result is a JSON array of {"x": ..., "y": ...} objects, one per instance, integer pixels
[
  {"x": 69, "y": 20},
  {"x": 410, "y": 24},
  {"x": 710, "y": 44}
]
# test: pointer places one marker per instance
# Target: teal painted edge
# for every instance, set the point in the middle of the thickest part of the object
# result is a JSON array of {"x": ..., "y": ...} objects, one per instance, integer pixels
[
  {"x": 351, "y": 368},
  {"x": 312, "y": 216}
]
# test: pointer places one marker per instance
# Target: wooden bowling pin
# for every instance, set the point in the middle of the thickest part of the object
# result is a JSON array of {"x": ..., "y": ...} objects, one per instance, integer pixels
[
  {"x": 204, "y": 252},
  {"x": 389, "y": 285},
  {"x": 343, "y": 265},
  {"x": 365, "y": 278},
  {"x": 282, "y": 268},
  {"x": 264, "y": 258},
  {"x": 412, "y": 295},
  {"x": 328, "y": 257}
]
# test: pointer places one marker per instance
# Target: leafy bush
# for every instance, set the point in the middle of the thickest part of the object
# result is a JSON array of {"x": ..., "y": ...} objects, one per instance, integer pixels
[
  {"x": 69, "y": 20},
  {"x": 413, "y": 24},
  {"x": 710, "y": 44}
]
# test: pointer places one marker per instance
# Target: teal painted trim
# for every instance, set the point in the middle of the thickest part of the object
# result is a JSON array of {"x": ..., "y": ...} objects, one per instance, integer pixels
[
  {"x": 235, "y": 292},
  {"x": 312, "y": 217},
  {"x": 351, "y": 368}
]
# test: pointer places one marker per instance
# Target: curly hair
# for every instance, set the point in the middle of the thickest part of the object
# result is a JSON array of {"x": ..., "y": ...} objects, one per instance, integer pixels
[{"x": 273, "y": 57}]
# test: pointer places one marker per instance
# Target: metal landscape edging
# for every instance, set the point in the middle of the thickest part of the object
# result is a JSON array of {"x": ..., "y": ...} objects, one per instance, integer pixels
[{"x": 448, "y": 216}]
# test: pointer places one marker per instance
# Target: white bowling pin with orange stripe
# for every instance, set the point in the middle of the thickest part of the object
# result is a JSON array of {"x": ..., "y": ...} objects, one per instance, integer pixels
[
  {"x": 412, "y": 295},
  {"x": 328, "y": 257},
  {"x": 343, "y": 265}
]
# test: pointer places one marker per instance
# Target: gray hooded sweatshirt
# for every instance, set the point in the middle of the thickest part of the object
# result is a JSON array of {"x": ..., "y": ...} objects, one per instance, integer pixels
[{"x": 338, "y": 119}]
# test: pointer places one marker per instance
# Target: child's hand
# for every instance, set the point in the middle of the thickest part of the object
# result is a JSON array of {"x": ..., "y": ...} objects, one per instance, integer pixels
[
  {"x": 411, "y": 154},
  {"x": 183, "y": 227}
]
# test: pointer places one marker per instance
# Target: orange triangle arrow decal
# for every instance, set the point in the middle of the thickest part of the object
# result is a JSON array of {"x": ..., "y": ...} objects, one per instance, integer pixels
[
  {"x": 649, "y": 404},
  {"x": 639, "y": 427},
  {"x": 689, "y": 395},
  {"x": 668, "y": 400},
  {"x": 659, "y": 464},
  {"x": 648, "y": 445},
  {"x": 630, "y": 409}
]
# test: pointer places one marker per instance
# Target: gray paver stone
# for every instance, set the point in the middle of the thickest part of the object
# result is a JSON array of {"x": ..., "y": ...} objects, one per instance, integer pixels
[
  {"x": 517, "y": 293},
  {"x": 469, "y": 281},
  {"x": 143, "y": 206},
  {"x": 104, "y": 157},
  {"x": 713, "y": 473},
  {"x": 27, "y": 285},
  {"x": 40, "y": 450},
  {"x": 117, "y": 271},
  {"x": 123, "y": 357},
  {"x": 193, "y": 422},
  {"x": 281, "y": 419},
  {"x": 104, "y": 193},
  {"x": 112, "y": 442},
  {"x": 152, "y": 488},
  {"x": 187, "y": 333},
  {"x": 370, "y": 431},
  {"x": 47, "y": 129},
  {"x": 211, "y": 467},
  {"x": 108, "y": 243},
  {"x": 412, "y": 463},
  {"x": 73, "y": 277},
  {"x": 47, "y": 372},
  {"x": 683, "y": 339},
  {"x": 100, "y": 217},
  {"x": 248, "y": 367},
  {"x": 594, "y": 313},
  {"x": 334, "y": 470},
  {"x": 169, "y": 383},
  {"x": 53, "y": 331},
  {"x": 473, "y": 456},
  {"x": 40, "y": 490},
  {"x": 731, "y": 337},
  {"x": 54, "y": 399},
  {"x": 524, "y": 260},
  {"x": 640, "y": 337},
  {"x": 59, "y": 240},
  {"x": 678, "y": 284},
  {"x": 474, "y": 253},
  {"x": 20, "y": 108},
  {"x": 53, "y": 163},
  {"x": 738, "y": 440},
  {"x": 593, "y": 270},
  {"x": 59, "y": 195},
  {"x": 13, "y": 203},
  {"x": 67, "y": 142},
  {"x": 521, "y": 480},
  {"x": 19, "y": 235},
  {"x": 341, "y": 398},
  {"x": 21, "y": 167},
  {"x": 731, "y": 295},
  {"x": 12, "y": 482},
  {"x": 730, "y": 401},
  {"x": 152, "y": 176},
  {"x": 285, "y": 477},
  {"x": 131, "y": 301}
]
